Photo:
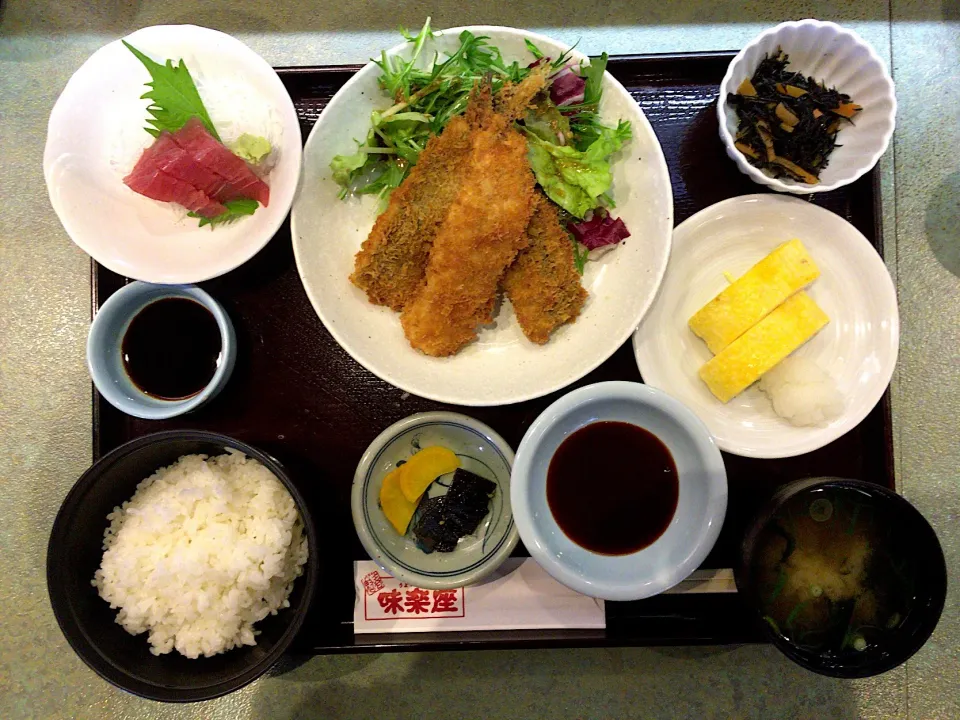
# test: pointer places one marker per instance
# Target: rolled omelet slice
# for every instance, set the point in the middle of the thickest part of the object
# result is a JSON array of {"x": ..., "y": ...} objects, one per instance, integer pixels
[
  {"x": 781, "y": 274},
  {"x": 762, "y": 347}
]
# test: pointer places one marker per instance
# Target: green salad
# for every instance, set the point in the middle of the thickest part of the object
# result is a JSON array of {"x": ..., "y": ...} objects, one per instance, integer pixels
[{"x": 570, "y": 149}]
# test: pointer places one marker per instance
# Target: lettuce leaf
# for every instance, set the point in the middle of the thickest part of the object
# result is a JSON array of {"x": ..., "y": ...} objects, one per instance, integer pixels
[
  {"x": 547, "y": 122},
  {"x": 577, "y": 180},
  {"x": 344, "y": 166}
]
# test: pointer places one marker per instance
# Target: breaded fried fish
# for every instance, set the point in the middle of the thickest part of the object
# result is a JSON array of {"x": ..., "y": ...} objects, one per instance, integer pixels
[
  {"x": 543, "y": 284},
  {"x": 392, "y": 260},
  {"x": 484, "y": 229},
  {"x": 513, "y": 99}
]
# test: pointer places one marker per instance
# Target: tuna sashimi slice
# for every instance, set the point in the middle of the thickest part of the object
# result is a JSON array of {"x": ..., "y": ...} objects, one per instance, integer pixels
[
  {"x": 172, "y": 159},
  {"x": 192, "y": 168},
  {"x": 211, "y": 154},
  {"x": 158, "y": 185}
]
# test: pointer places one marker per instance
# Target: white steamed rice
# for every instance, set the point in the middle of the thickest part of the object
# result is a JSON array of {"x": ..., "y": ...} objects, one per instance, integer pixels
[{"x": 203, "y": 550}]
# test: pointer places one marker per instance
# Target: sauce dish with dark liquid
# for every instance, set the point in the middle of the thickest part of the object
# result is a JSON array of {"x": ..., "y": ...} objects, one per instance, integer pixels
[
  {"x": 618, "y": 491},
  {"x": 172, "y": 348},
  {"x": 157, "y": 351},
  {"x": 641, "y": 487}
]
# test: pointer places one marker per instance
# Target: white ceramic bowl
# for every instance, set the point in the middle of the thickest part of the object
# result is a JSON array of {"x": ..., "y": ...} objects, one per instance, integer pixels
[
  {"x": 95, "y": 136},
  {"x": 482, "y": 451},
  {"x": 858, "y": 347},
  {"x": 841, "y": 59},
  {"x": 695, "y": 525},
  {"x": 501, "y": 366}
]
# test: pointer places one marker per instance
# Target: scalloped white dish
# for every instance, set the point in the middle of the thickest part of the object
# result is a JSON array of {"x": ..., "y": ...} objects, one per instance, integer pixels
[
  {"x": 840, "y": 58},
  {"x": 858, "y": 347},
  {"x": 95, "y": 136},
  {"x": 501, "y": 366}
]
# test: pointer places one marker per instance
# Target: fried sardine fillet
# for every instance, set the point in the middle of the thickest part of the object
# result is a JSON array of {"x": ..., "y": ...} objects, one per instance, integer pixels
[
  {"x": 392, "y": 261},
  {"x": 484, "y": 229},
  {"x": 513, "y": 99},
  {"x": 543, "y": 284}
]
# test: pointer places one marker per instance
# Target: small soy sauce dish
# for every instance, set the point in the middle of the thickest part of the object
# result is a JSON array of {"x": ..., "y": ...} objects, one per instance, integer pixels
[
  {"x": 618, "y": 491},
  {"x": 158, "y": 351}
]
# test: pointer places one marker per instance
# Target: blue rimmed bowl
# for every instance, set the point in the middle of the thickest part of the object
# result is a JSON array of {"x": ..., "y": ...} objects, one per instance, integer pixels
[
  {"x": 104, "y": 353},
  {"x": 482, "y": 451},
  {"x": 701, "y": 505}
]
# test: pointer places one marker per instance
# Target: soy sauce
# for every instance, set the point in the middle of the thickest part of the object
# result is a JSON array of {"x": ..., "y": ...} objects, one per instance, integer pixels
[
  {"x": 172, "y": 348},
  {"x": 612, "y": 487}
]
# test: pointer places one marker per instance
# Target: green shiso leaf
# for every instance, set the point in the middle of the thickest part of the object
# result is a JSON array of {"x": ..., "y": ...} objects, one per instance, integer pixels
[
  {"x": 173, "y": 96},
  {"x": 236, "y": 209}
]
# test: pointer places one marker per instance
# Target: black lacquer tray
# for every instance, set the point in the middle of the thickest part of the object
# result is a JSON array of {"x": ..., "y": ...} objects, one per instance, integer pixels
[{"x": 296, "y": 394}]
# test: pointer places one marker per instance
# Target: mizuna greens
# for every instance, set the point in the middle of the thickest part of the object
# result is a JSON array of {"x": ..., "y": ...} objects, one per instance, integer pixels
[{"x": 570, "y": 148}]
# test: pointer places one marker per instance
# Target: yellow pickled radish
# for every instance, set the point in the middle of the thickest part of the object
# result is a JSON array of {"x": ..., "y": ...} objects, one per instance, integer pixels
[
  {"x": 396, "y": 507},
  {"x": 425, "y": 467}
]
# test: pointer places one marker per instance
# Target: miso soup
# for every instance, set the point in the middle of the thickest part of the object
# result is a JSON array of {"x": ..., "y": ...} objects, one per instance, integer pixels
[{"x": 831, "y": 575}]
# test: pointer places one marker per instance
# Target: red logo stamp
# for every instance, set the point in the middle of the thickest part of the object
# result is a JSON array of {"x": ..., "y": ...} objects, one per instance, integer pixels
[
  {"x": 385, "y": 598},
  {"x": 372, "y": 583}
]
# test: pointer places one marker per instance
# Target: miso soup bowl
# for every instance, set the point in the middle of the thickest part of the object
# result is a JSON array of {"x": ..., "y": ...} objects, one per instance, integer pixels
[
  {"x": 692, "y": 531},
  {"x": 926, "y": 559}
]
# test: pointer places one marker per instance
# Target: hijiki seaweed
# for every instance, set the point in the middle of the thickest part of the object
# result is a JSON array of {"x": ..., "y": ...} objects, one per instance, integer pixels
[{"x": 788, "y": 122}]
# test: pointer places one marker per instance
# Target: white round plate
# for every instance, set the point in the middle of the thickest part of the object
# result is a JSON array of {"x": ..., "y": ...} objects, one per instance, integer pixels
[
  {"x": 95, "y": 136},
  {"x": 501, "y": 366},
  {"x": 481, "y": 451},
  {"x": 858, "y": 348}
]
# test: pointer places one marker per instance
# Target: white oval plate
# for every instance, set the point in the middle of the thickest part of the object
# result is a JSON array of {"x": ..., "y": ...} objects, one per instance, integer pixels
[
  {"x": 858, "y": 347},
  {"x": 95, "y": 136},
  {"x": 501, "y": 366}
]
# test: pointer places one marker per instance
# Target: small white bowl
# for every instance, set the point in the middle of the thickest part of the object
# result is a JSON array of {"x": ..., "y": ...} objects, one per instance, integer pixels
[
  {"x": 696, "y": 523},
  {"x": 841, "y": 59},
  {"x": 482, "y": 451}
]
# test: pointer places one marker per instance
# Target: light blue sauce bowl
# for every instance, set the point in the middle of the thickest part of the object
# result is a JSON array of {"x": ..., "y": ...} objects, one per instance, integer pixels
[
  {"x": 104, "y": 355},
  {"x": 701, "y": 505}
]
